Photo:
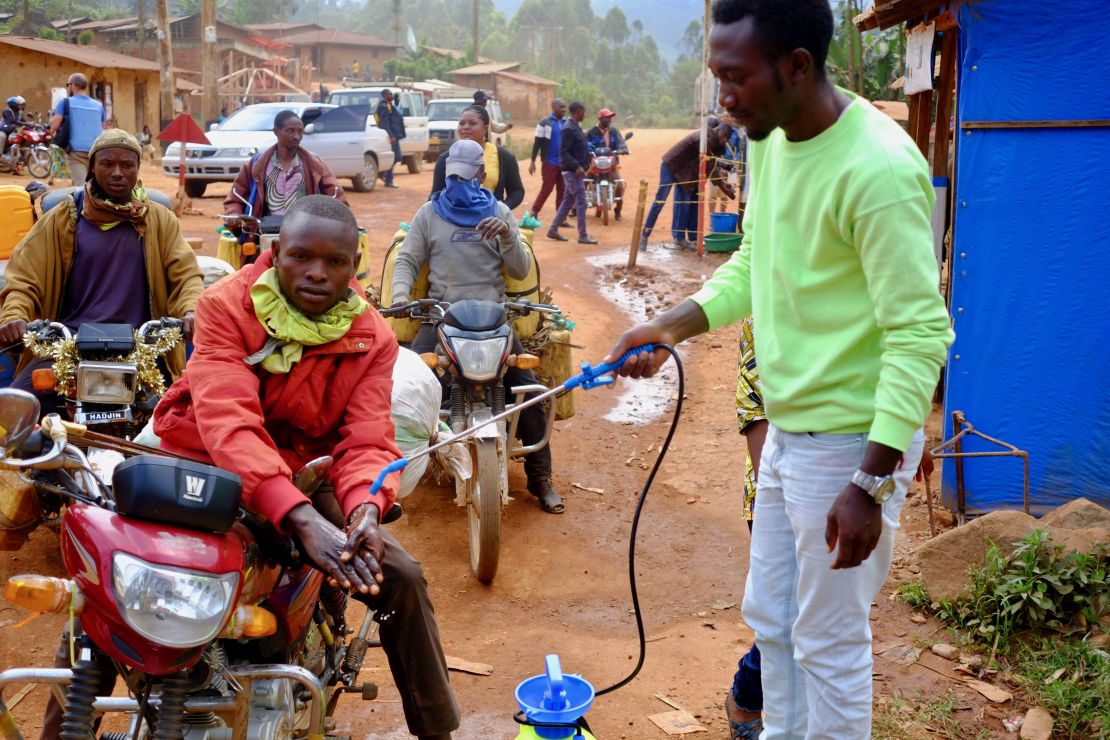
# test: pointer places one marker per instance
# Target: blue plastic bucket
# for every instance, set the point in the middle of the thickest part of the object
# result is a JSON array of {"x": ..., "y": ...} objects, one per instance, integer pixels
[{"x": 724, "y": 223}]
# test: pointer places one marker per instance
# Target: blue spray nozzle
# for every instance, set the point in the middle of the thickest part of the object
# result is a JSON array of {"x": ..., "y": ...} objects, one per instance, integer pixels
[
  {"x": 393, "y": 467},
  {"x": 592, "y": 377}
]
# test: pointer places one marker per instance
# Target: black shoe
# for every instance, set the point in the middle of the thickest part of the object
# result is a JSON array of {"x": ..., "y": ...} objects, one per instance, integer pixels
[
  {"x": 550, "y": 501},
  {"x": 564, "y": 225},
  {"x": 587, "y": 240},
  {"x": 557, "y": 236}
]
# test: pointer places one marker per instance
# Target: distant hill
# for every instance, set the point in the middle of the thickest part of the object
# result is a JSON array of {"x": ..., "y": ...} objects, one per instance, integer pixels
[{"x": 666, "y": 20}]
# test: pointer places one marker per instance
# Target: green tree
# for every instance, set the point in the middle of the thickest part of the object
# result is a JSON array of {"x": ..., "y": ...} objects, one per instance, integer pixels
[{"x": 615, "y": 26}]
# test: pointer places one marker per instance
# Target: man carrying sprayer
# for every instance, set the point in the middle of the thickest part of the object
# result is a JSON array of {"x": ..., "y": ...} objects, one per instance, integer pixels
[{"x": 838, "y": 269}]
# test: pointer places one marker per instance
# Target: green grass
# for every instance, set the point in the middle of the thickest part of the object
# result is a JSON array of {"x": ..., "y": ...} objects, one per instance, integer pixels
[
  {"x": 935, "y": 717},
  {"x": 1079, "y": 700},
  {"x": 913, "y": 593}
]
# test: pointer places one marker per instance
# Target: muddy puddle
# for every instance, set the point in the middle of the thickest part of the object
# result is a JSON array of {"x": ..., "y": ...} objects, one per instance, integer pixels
[{"x": 650, "y": 288}]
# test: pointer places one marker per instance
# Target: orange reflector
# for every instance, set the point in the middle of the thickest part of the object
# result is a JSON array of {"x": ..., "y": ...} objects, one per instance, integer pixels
[
  {"x": 250, "y": 622},
  {"x": 249, "y": 248},
  {"x": 44, "y": 379},
  {"x": 431, "y": 359},
  {"x": 525, "y": 362},
  {"x": 38, "y": 593}
]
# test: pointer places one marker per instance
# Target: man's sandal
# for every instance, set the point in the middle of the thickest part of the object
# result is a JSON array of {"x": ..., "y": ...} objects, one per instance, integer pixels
[{"x": 749, "y": 730}]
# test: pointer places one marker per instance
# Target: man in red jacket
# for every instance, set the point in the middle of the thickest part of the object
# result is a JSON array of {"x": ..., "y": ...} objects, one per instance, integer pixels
[{"x": 289, "y": 364}]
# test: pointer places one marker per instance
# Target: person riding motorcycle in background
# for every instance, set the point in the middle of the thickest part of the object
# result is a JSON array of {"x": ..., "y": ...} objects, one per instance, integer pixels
[
  {"x": 105, "y": 254},
  {"x": 465, "y": 235},
  {"x": 13, "y": 118},
  {"x": 605, "y": 135},
  {"x": 276, "y": 178}
]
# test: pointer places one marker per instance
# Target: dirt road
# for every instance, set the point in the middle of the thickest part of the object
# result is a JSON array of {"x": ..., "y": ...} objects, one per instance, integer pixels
[{"x": 563, "y": 581}]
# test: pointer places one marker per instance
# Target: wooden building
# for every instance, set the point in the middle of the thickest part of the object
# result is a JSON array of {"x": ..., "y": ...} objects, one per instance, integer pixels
[
  {"x": 333, "y": 52},
  {"x": 525, "y": 97}
]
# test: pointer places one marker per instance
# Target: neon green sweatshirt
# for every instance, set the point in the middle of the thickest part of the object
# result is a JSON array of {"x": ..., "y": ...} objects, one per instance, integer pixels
[{"x": 837, "y": 268}]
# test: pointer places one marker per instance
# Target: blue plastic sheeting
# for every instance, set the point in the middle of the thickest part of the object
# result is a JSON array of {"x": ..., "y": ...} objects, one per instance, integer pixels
[
  {"x": 1024, "y": 60},
  {"x": 1031, "y": 255}
]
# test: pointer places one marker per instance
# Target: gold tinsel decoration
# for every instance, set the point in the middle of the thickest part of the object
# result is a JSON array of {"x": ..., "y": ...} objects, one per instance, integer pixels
[{"x": 144, "y": 357}]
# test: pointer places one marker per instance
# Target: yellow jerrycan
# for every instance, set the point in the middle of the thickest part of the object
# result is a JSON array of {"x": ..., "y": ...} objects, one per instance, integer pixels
[{"x": 17, "y": 216}]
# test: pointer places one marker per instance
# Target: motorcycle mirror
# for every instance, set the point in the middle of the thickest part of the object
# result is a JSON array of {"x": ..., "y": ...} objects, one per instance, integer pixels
[
  {"x": 313, "y": 474},
  {"x": 629, "y": 135},
  {"x": 19, "y": 411}
]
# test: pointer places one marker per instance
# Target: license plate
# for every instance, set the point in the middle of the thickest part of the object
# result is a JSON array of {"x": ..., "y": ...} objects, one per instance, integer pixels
[
  {"x": 433, "y": 140},
  {"x": 103, "y": 417}
]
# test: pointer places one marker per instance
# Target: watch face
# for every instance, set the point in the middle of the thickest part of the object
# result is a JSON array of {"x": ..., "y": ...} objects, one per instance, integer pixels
[{"x": 883, "y": 491}]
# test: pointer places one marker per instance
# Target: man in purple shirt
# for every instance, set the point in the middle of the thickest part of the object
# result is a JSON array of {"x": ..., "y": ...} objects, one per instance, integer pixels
[{"x": 105, "y": 254}]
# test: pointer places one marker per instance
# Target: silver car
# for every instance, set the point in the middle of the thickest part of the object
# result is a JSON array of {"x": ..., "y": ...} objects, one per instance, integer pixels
[{"x": 346, "y": 139}]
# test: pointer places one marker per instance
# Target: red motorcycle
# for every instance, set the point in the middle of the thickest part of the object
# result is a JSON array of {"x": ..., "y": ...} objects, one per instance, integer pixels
[
  {"x": 212, "y": 618},
  {"x": 28, "y": 145}
]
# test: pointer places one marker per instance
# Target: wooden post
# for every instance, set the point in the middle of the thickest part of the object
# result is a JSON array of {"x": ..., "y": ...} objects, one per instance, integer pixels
[
  {"x": 946, "y": 89},
  {"x": 165, "y": 63},
  {"x": 210, "y": 92},
  {"x": 704, "y": 142},
  {"x": 140, "y": 22},
  {"x": 638, "y": 224}
]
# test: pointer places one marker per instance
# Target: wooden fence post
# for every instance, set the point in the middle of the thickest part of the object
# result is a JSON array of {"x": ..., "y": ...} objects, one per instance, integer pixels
[{"x": 638, "y": 224}]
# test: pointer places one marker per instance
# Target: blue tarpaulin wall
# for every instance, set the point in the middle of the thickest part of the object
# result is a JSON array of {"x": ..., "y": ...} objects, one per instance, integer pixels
[{"x": 1031, "y": 253}]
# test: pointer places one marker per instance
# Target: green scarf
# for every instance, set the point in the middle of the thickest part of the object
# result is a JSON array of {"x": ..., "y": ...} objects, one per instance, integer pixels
[{"x": 290, "y": 330}]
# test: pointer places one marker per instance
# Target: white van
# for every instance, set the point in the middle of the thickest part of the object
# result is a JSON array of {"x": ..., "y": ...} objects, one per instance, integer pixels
[{"x": 414, "y": 146}]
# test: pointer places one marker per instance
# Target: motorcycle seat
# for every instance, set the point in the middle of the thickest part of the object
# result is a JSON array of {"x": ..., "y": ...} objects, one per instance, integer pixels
[{"x": 54, "y": 197}]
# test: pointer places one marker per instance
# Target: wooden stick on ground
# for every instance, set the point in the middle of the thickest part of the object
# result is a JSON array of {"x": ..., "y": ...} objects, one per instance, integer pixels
[{"x": 638, "y": 224}]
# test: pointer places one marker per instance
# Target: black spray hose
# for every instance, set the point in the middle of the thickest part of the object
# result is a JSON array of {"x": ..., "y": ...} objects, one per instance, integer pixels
[{"x": 636, "y": 521}]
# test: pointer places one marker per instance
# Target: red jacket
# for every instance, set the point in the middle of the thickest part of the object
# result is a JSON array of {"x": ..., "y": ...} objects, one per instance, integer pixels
[
  {"x": 264, "y": 426},
  {"x": 252, "y": 179}
]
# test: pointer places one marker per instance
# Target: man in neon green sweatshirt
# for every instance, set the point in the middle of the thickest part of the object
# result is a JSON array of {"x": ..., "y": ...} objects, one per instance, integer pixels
[{"x": 838, "y": 270}]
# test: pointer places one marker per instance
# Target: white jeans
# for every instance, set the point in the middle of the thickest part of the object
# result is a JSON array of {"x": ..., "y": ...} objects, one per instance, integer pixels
[{"x": 810, "y": 622}]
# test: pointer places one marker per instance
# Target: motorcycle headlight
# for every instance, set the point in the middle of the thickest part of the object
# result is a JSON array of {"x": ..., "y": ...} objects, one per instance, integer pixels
[
  {"x": 479, "y": 359},
  {"x": 174, "y": 607},
  {"x": 603, "y": 163},
  {"x": 106, "y": 382}
]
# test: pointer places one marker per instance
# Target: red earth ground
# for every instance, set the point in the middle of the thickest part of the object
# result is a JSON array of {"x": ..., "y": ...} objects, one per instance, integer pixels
[{"x": 563, "y": 585}]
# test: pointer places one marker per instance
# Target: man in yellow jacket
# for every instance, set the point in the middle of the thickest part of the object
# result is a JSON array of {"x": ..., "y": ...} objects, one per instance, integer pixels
[{"x": 105, "y": 254}]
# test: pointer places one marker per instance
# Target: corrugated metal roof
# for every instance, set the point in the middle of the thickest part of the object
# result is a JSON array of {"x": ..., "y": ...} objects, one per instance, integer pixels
[
  {"x": 281, "y": 26},
  {"x": 91, "y": 56},
  {"x": 485, "y": 69},
  {"x": 526, "y": 77},
  {"x": 336, "y": 36}
]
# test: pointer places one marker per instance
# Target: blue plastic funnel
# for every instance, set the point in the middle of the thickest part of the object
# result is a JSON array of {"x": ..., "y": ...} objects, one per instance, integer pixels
[{"x": 555, "y": 698}]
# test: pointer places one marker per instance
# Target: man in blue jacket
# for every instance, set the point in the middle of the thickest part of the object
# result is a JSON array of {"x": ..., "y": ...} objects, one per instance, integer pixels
[
  {"x": 390, "y": 120},
  {"x": 574, "y": 160}
]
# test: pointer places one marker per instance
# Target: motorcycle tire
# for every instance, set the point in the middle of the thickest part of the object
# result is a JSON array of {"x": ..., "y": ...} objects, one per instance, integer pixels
[
  {"x": 39, "y": 162},
  {"x": 483, "y": 510},
  {"x": 604, "y": 198}
]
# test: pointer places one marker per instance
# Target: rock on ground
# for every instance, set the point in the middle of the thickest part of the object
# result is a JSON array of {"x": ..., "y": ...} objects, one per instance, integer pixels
[
  {"x": 1037, "y": 725},
  {"x": 946, "y": 559}
]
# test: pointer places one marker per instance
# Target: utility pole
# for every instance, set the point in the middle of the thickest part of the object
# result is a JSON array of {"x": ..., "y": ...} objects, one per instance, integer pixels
[
  {"x": 209, "y": 63},
  {"x": 397, "y": 21},
  {"x": 140, "y": 24},
  {"x": 165, "y": 62},
  {"x": 474, "y": 33}
]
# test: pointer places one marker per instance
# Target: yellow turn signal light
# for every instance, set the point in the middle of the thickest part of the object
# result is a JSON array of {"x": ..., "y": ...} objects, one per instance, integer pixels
[
  {"x": 43, "y": 593},
  {"x": 250, "y": 622},
  {"x": 44, "y": 379},
  {"x": 431, "y": 359},
  {"x": 524, "y": 361}
]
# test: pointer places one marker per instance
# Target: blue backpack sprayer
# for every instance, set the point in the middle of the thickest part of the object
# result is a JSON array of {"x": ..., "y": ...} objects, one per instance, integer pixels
[{"x": 553, "y": 704}]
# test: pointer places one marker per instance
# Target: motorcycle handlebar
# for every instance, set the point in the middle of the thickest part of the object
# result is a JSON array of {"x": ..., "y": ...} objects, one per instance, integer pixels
[
  {"x": 44, "y": 329},
  {"x": 417, "y": 309}
]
